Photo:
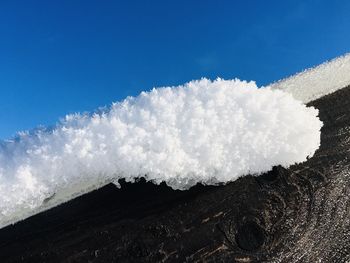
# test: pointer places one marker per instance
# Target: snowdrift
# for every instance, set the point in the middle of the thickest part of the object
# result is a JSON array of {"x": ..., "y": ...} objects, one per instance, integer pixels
[{"x": 204, "y": 131}]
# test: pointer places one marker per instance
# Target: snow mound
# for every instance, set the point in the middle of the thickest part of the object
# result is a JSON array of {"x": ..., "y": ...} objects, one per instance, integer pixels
[
  {"x": 316, "y": 82},
  {"x": 204, "y": 131}
]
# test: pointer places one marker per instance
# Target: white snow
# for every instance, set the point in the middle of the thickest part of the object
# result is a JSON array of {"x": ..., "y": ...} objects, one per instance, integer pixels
[
  {"x": 204, "y": 131},
  {"x": 316, "y": 82}
]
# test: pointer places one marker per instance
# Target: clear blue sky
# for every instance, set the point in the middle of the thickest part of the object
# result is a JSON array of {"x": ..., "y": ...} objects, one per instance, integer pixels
[{"x": 59, "y": 57}]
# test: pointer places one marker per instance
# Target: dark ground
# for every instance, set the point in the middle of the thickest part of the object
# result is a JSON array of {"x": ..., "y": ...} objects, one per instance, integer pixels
[{"x": 300, "y": 214}]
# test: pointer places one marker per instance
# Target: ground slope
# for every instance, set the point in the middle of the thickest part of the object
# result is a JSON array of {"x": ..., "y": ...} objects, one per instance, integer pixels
[{"x": 300, "y": 214}]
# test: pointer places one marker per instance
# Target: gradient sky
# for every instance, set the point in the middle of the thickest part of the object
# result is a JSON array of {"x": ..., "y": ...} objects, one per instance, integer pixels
[{"x": 59, "y": 57}]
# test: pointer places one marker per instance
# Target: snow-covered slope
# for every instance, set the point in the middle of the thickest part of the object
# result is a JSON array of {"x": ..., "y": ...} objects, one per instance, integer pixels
[
  {"x": 204, "y": 131},
  {"x": 316, "y": 82},
  {"x": 306, "y": 86}
]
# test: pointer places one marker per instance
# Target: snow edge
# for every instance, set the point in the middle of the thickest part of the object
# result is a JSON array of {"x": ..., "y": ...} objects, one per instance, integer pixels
[{"x": 317, "y": 81}]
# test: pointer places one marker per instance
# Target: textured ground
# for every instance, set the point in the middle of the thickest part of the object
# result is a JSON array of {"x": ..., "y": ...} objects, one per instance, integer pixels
[{"x": 301, "y": 214}]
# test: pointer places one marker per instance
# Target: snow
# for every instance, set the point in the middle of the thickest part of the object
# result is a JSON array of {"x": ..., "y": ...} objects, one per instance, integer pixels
[
  {"x": 204, "y": 131},
  {"x": 316, "y": 82}
]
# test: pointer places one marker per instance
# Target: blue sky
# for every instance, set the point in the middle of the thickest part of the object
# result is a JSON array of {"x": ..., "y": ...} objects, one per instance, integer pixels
[{"x": 59, "y": 57}]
